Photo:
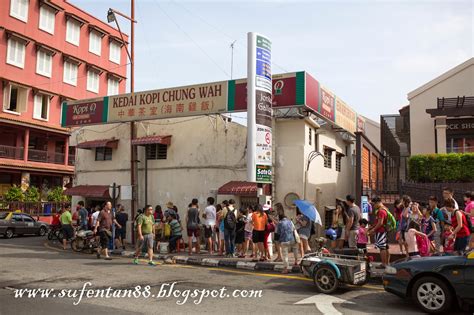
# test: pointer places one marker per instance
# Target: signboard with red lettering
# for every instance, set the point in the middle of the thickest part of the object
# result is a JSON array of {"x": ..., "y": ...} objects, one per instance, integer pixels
[
  {"x": 85, "y": 112},
  {"x": 345, "y": 116}
]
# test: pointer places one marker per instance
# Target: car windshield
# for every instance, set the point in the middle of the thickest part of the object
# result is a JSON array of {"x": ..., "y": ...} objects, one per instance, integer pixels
[{"x": 3, "y": 215}]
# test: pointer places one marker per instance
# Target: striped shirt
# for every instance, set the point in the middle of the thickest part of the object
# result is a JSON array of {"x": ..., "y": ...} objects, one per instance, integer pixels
[{"x": 175, "y": 227}]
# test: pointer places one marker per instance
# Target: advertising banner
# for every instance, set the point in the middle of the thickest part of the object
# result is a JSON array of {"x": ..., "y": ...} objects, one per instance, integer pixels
[
  {"x": 345, "y": 116},
  {"x": 259, "y": 109},
  {"x": 326, "y": 107}
]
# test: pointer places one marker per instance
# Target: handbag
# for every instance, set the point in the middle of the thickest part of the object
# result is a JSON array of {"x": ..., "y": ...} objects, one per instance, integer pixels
[
  {"x": 167, "y": 230},
  {"x": 295, "y": 233}
]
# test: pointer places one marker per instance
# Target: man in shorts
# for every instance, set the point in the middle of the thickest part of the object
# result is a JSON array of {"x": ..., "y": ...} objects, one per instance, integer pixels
[
  {"x": 381, "y": 217},
  {"x": 145, "y": 234},
  {"x": 353, "y": 214},
  {"x": 121, "y": 233},
  {"x": 104, "y": 226},
  {"x": 209, "y": 217},
  {"x": 192, "y": 226},
  {"x": 66, "y": 225}
]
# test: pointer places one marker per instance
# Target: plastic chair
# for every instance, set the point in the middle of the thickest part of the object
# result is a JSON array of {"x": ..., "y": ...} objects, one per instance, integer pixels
[{"x": 179, "y": 243}]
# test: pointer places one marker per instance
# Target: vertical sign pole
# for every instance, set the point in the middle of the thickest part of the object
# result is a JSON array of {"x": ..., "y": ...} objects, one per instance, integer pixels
[
  {"x": 251, "y": 122},
  {"x": 259, "y": 109}
]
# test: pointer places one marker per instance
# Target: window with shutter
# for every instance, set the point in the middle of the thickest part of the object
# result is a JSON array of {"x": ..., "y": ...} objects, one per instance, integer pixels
[
  {"x": 70, "y": 73},
  {"x": 46, "y": 19},
  {"x": 73, "y": 29},
  {"x": 19, "y": 9},
  {"x": 112, "y": 87},
  {"x": 15, "y": 99},
  {"x": 41, "y": 107},
  {"x": 95, "y": 43},
  {"x": 92, "y": 81},
  {"x": 16, "y": 53},
  {"x": 114, "y": 53},
  {"x": 44, "y": 61}
]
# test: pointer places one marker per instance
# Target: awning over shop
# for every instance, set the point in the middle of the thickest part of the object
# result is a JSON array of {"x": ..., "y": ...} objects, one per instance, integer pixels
[
  {"x": 152, "y": 140},
  {"x": 107, "y": 143},
  {"x": 91, "y": 191},
  {"x": 238, "y": 188}
]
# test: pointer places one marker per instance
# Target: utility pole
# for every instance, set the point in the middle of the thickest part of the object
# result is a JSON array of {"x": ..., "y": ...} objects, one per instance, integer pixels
[{"x": 133, "y": 149}]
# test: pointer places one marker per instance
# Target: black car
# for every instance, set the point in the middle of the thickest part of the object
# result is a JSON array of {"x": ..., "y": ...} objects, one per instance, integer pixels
[{"x": 435, "y": 283}]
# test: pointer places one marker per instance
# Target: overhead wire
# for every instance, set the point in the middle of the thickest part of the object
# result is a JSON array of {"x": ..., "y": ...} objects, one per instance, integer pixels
[{"x": 190, "y": 38}]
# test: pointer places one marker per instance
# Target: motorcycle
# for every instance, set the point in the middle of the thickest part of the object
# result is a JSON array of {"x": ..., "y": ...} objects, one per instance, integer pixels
[
  {"x": 84, "y": 240},
  {"x": 55, "y": 232}
]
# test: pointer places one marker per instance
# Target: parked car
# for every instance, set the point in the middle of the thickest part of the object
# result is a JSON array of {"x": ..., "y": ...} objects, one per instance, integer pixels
[
  {"x": 435, "y": 283},
  {"x": 18, "y": 223}
]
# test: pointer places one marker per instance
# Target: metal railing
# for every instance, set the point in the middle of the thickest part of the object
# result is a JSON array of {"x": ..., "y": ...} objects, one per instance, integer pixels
[
  {"x": 33, "y": 208},
  {"x": 460, "y": 150},
  {"x": 8, "y": 152},
  {"x": 37, "y": 155}
]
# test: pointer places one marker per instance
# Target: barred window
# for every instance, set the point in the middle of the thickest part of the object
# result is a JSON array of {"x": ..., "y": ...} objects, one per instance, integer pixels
[
  {"x": 103, "y": 154},
  {"x": 328, "y": 157},
  {"x": 157, "y": 151},
  {"x": 338, "y": 161}
]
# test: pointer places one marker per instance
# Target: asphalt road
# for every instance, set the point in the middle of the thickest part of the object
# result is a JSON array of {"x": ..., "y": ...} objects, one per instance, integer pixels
[{"x": 32, "y": 263}]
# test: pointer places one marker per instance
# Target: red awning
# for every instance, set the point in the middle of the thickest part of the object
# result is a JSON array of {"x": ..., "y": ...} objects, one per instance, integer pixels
[
  {"x": 238, "y": 188},
  {"x": 107, "y": 143},
  {"x": 152, "y": 140},
  {"x": 92, "y": 191}
]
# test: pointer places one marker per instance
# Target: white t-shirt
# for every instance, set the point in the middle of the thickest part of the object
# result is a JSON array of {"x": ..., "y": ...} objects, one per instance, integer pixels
[
  {"x": 210, "y": 212},
  {"x": 94, "y": 216},
  {"x": 249, "y": 226}
]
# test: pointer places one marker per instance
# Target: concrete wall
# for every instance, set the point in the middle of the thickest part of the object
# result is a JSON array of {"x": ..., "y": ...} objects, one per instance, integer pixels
[
  {"x": 372, "y": 131},
  {"x": 456, "y": 82},
  {"x": 324, "y": 184},
  {"x": 205, "y": 153}
]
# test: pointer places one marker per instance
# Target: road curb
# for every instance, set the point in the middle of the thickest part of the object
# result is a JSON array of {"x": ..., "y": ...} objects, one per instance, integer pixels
[{"x": 216, "y": 262}]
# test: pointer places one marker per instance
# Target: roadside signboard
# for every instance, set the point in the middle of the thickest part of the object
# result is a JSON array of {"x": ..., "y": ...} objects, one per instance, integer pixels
[{"x": 259, "y": 109}]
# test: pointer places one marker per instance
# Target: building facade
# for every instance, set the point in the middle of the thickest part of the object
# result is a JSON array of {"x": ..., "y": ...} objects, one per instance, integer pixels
[
  {"x": 50, "y": 52},
  {"x": 442, "y": 113},
  {"x": 314, "y": 148}
]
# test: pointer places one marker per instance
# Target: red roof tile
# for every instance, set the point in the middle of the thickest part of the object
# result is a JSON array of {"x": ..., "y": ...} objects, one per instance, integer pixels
[
  {"x": 238, "y": 188},
  {"x": 152, "y": 140},
  {"x": 109, "y": 143}
]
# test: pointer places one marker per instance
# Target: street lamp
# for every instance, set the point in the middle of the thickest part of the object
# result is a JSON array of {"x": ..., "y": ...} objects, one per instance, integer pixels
[
  {"x": 111, "y": 17},
  {"x": 311, "y": 156}
]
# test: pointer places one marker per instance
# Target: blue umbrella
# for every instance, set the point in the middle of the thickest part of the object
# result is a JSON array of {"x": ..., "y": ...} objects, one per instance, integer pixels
[{"x": 309, "y": 210}]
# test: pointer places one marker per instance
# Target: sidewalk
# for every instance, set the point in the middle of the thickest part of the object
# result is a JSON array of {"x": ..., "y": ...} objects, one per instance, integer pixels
[{"x": 206, "y": 260}]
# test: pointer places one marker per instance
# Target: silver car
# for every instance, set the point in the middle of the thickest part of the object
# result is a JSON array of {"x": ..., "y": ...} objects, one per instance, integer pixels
[{"x": 17, "y": 223}]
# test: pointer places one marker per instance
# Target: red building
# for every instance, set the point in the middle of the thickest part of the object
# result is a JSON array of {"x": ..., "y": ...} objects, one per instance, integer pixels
[{"x": 50, "y": 51}]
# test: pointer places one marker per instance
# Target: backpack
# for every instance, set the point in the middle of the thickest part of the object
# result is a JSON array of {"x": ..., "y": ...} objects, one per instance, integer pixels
[
  {"x": 391, "y": 223},
  {"x": 230, "y": 220},
  {"x": 468, "y": 220}
]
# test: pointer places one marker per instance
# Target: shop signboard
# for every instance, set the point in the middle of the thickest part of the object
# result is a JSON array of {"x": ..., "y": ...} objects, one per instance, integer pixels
[
  {"x": 326, "y": 104},
  {"x": 345, "y": 116}
]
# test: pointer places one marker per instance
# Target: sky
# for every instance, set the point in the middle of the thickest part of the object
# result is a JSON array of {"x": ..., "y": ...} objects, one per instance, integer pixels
[{"x": 369, "y": 53}]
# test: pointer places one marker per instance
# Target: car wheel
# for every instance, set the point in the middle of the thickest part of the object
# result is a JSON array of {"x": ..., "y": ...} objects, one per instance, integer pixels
[
  {"x": 432, "y": 295},
  {"x": 42, "y": 231},
  {"x": 325, "y": 279},
  {"x": 9, "y": 233}
]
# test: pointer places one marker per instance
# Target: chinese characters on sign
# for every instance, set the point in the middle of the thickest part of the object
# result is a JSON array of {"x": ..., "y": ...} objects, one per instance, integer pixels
[
  {"x": 327, "y": 104},
  {"x": 345, "y": 116},
  {"x": 166, "y": 103}
]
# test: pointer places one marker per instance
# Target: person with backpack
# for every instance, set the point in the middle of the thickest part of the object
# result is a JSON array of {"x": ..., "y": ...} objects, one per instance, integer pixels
[
  {"x": 461, "y": 227},
  {"x": 259, "y": 222},
  {"x": 380, "y": 230},
  {"x": 229, "y": 216},
  {"x": 192, "y": 226}
]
